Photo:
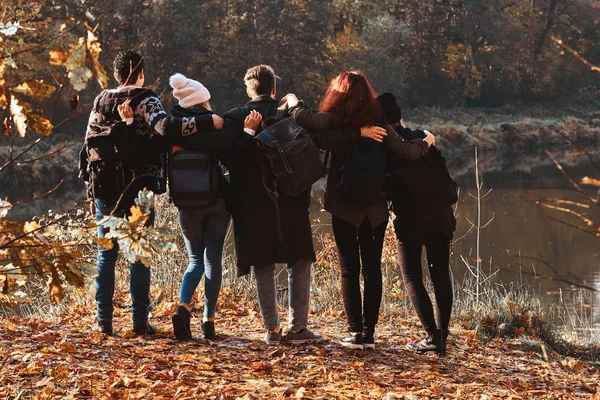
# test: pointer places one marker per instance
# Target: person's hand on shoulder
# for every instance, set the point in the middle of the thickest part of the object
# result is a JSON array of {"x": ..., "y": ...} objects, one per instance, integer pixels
[
  {"x": 217, "y": 122},
  {"x": 291, "y": 99},
  {"x": 429, "y": 138},
  {"x": 252, "y": 122},
  {"x": 376, "y": 133},
  {"x": 125, "y": 111}
]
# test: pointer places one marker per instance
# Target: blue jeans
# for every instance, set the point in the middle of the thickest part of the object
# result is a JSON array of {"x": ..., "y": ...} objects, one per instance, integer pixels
[
  {"x": 204, "y": 233},
  {"x": 139, "y": 276}
]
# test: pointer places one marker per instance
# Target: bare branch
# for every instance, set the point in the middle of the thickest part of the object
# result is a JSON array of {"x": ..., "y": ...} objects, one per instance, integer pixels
[
  {"x": 575, "y": 53},
  {"x": 40, "y": 196}
]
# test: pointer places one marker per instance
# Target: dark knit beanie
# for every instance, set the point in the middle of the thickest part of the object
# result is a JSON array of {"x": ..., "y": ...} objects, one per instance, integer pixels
[{"x": 391, "y": 109}]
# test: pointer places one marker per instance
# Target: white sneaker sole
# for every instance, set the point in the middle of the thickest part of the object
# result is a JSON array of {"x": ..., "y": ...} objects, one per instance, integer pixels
[
  {"x": 369, "y": 346},
  {"x": 352, "y": 346}
]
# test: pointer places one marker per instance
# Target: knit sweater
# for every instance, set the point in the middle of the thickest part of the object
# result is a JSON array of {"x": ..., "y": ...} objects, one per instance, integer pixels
[{"x": 149, "y": 118}]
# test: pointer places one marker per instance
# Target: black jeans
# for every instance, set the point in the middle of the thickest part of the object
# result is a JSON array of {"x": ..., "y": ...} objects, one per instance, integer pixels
[
  {"x": 438, "y": 260},
  {"x": 354, "y": 245}
]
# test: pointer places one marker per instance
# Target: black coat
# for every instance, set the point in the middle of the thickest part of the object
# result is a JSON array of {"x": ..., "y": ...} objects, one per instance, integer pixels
[
  {"x": 416, "y": 222},
  {"x": 257, "y": 241}
]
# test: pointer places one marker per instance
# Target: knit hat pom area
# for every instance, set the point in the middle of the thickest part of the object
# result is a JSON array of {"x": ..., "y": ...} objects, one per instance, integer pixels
[
  {"x": 178, "y": 81},
  {"x": 189, "y": 92}
]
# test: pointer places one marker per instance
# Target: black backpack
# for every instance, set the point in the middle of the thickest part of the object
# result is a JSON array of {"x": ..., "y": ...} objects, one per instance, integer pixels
[
  {"x": 364, "y": 173},
  {"x": 294, "y": 159},
  {"x": 425, "y": 183},
  {"x": 193, "y": 178},
  {"x": 111, "y": 161}
]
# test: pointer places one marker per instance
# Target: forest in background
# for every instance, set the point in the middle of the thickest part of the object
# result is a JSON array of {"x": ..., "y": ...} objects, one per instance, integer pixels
[{"x": 430, "y": 53}]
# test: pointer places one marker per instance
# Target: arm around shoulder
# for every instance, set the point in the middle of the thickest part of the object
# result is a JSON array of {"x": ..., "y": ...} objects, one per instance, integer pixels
[{"x": 408, "y": 150}]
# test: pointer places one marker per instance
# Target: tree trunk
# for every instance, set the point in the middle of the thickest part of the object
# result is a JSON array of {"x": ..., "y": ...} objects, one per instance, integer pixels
[{"x": 550, "y": 19}]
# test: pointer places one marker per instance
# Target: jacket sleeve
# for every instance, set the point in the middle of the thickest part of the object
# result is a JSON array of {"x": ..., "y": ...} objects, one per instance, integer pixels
[
  {"x": 193, "y": 133},
  {"x": 408, "y": 150},
  {"x": 151, "y": 111},
  {"x": 311, "y": 119},
  {"x": 409, "y": 134}
]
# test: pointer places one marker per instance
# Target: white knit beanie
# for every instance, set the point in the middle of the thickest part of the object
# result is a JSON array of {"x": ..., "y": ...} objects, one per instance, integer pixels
[{"x": 188, "y": 91}]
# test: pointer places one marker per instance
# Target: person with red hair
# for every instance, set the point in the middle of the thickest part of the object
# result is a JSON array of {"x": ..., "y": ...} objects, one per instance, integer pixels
[{"x": 359, "y": 226}]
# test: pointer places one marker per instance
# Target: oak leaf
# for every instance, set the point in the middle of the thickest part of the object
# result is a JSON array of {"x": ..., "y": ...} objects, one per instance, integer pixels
[{"x": 37, "y": 88}]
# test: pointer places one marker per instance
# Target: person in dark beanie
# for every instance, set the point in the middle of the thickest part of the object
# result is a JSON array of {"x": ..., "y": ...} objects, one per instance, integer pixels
[
  {"x": 419, "y": 223},
  {"x": 150, "y": 125}
]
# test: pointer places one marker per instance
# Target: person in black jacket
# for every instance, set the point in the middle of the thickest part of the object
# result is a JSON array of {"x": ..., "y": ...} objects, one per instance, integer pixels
[
  {"x": 257, "y": 240},
  {"x": 421, "y": 201},
  {"x": 359, "y": 230}
]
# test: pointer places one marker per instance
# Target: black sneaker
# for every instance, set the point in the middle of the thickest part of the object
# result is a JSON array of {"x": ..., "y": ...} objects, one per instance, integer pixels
[
  {"x": 208, "y": 330},
  {"x": 103, "y": 327},
  {"x": 144, "y": 328},
  {"x": 353, "y": 341},
  {"x": 368, "y": 341},
  {"x": 181, "y": 323},
  {"x": 432, "y": 343}
]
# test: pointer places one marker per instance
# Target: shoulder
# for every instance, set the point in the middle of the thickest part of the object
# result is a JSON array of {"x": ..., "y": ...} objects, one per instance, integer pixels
[
  {"x": 143, "y": 95},
  {"x": 237, "y": 113}
]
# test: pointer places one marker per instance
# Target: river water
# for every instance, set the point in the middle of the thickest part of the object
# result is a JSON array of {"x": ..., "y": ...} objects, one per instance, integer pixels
[{"x": 524, "y": 245}]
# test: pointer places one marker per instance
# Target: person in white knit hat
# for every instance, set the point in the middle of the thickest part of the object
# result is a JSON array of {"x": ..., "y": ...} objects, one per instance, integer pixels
[
  {"x": 203, "y": 229},
  {"x": 189, "y": 92}
]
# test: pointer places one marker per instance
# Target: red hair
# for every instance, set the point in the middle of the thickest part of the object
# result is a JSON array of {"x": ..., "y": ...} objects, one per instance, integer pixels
[{"x": 352, "y": 100}]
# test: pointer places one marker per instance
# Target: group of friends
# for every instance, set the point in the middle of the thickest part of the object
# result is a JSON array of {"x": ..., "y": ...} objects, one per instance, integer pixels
[{"x": 267, "y": 233}]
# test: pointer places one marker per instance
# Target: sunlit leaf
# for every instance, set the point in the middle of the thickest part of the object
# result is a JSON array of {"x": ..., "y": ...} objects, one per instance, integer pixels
[
  {"x": 3, "y": 98},
  {"x": 5, "y": 206},
  {"x": 58, "y": 56},
  {"x": 38, "y": 89},
  {"x": 56, "y": 291},
  {"x": 37, "y": 123},
  {"x": 93, "y": 46},
  {"x": 79, "y": 74},
  {"x": 590, "y": 181},
  {"x": 19, "y": 119},
  {"x": 105, "y": 243},
  {"x": 145, "y": 200},
  {"x": 10, "y": 29},
  {"x": 31, "y": 226},
  {"x": 7, "y": 59}
]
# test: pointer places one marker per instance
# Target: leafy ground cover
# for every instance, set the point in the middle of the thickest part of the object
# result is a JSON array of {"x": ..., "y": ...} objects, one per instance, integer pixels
[{"x": 61, "y": 359}]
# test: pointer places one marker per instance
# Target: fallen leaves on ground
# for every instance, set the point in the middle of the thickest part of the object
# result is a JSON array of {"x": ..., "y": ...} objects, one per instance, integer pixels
[{"x": 43, "y": 360}]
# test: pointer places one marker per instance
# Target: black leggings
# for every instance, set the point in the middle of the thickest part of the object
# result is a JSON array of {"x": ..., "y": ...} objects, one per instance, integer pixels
[
  {"x": 438, "y": 260},
  {"x": 354, "y": 245}
]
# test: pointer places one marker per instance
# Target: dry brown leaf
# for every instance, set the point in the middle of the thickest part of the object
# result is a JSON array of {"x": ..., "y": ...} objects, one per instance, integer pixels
[
  {"x": 38, "y": 89},
  {"x": 93, "y": 46},
  {"x": 58, "y": 56}
]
